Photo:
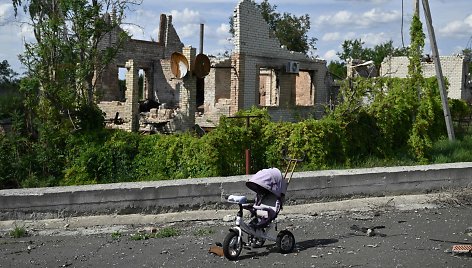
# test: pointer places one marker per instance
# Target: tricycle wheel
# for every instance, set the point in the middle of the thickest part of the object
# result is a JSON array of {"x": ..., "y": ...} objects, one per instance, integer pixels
[
  {"x": 232, "y": 246},
  {"x": 285, "y": 241}
]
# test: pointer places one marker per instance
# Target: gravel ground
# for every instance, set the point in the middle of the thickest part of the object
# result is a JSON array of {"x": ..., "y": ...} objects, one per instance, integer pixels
[{"x": 411, "y": 238}]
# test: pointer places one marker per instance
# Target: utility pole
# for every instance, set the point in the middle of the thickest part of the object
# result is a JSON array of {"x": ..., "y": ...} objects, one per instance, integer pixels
[
  {"x": 416, "y": 7},
  {"x": 437, "y": 64}
]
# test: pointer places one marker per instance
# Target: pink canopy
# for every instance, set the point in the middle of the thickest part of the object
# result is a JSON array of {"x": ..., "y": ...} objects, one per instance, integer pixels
[{"x": 269, "y": 179}]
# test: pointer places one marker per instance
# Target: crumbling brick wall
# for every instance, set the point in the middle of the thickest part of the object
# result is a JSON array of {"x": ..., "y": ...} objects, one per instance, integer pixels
[
  {"x": 257, "y": 47},
  {"x": 153, "y": 58},
  {"x": 455, "y": 69}
]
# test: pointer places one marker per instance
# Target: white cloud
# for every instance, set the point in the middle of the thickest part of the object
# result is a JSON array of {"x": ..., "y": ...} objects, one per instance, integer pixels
[
  {"x": 186, "y": 16},
  {"x": 372, "y": 39},
  {"x": 5, "y": 9},
  {"x": 337, "y": 36},
  {"x": 186, "y": 22},
  {"x": 457, "y": 28},
  {"x": 135, "y": 31},
  {"x": 365, "y": 20},
  {"x": 5, "y": 13},
  {"x": 330, "y": 55},
  {"x": 223, "y": 29},
  {"x": 188, "y": 31}
]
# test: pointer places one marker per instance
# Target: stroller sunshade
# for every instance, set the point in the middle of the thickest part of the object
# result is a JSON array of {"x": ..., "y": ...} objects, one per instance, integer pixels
[{"x": 268, "y": 180}]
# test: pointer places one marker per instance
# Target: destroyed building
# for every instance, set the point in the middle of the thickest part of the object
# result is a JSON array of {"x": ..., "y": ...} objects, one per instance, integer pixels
[
  {"x": 455, "y": 69},
  {"x": 259, "y": 72}
]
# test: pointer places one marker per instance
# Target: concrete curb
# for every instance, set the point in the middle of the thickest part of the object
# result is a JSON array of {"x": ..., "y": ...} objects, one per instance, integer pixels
[
  {"x": 178, "y": 195},
  {"x": 111, "y": 223}
]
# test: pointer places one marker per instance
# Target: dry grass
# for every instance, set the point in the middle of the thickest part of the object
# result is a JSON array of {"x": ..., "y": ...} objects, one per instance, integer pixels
[{"x": 455, "y": 197}]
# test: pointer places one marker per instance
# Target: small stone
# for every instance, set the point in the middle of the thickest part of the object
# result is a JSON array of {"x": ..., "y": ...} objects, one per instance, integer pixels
[
  {"x": 66, "y": 226},
  {"x": 151, "y": 230},
  {"x": 228, "y": 218}
]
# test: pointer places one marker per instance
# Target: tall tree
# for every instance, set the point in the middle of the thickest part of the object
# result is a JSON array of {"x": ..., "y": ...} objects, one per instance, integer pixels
[
  {"x": 291, "y": 30},
  {"x": 7, "y": 75},
  {"x": 66, "y": 54}
]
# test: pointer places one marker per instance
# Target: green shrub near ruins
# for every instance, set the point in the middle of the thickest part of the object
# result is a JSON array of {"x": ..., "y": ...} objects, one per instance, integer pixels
[{"x": 381, "y": 121}]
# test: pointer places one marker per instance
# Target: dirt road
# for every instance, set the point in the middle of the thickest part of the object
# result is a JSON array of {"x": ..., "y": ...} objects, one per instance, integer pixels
[{"x": 412, "y": 237}]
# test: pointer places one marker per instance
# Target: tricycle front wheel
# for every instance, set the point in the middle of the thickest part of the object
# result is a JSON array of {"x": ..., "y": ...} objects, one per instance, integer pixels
[{"x": 232, "y": 246}]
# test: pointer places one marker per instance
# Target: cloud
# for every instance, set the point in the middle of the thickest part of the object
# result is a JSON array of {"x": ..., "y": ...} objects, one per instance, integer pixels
[
  {"x": 372, "y": 39},
  {"x": 457, "y": 28},
  {"x": 187, "y": 22},
  {"x": 135, "y": 31},
  {"x": 337, "y": 36},
  {"x": 186, "y": 16},
  {"x": 334, "y": 36},
  {"x": 5, "y": 13},
  {"x": 223, "y": 29},
  {"x": 330, "y": 55},
  {"x": 365, "y": 20}
]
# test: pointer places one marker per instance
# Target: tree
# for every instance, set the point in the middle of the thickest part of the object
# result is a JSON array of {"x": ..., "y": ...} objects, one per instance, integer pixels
[
  {"x": 7, "y": 75},
  {"x": 468, "y": 54},
  {"x": 337, "y": 69},
  {"x": 354, "y": 49},
  {"x": 67, "y": 55},
  {"x": 291, "y": 31}
]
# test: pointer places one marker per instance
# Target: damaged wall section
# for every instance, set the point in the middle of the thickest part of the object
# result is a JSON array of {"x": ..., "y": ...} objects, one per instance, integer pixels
[
  {"x": 261, "y": 73},
  {"x": 455, "y": 69},
  {"x": 174, "y": 96},
  {"x": 301, "y": 83}
]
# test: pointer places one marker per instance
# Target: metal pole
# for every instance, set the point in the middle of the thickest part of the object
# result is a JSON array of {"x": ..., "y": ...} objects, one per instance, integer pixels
[
  {"x": 437, "y": 64},
  {"x": 202, "y": 31}
]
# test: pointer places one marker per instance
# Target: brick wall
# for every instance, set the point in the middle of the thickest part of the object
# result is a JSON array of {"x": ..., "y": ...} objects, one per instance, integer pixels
[
  {"x": 256, "y": 47},
  {"x": 154, "y": 59},
  {"x": 455, "y": 69}
]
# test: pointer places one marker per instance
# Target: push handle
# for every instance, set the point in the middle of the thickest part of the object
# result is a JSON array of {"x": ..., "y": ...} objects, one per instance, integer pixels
[{"x": 291, "y": 164}]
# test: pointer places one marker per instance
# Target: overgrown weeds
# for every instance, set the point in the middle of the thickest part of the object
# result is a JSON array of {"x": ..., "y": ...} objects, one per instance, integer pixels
[{"x": 18, "y": 232}]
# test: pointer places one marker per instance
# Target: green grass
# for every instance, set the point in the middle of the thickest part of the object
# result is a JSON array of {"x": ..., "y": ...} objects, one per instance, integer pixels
[
  {"x": 204, "y": 232},
  {"x": 116, "y": 235},
  {"x": 18, "y": 232},
  {"x": 459, "y": 150},
  {"x": 167, "y": 232}
]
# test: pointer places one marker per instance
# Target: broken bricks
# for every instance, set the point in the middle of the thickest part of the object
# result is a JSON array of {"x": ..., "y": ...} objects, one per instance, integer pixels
[{"x": 462, "y": 250}]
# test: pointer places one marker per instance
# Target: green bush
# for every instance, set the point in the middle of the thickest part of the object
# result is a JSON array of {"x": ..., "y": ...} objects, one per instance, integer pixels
[
  {"x": 101, "y": 157},
  {"x": 380, "y": 122}
]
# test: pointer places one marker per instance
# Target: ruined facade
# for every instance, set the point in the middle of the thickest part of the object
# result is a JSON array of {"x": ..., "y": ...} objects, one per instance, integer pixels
[
  {"x": 455, "y": 69},
  {"x": 262, "y": 73},
  {"x": 259, "y": 73},
  {"x": 151, "y": 60}
]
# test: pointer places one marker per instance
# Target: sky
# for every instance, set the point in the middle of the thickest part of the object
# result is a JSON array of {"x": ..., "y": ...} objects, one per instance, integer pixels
[{"x": 332, "y": 22}]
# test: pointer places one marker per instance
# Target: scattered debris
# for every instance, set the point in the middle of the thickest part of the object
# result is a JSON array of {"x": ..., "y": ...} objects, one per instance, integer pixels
[
  {"x": 228, "y": 218},
  {"x": 468, "y": 231},
  {"x": 369, "y": 231},
  {"x": 217, "y": 250},
  {"x": 462, "y": 250},
  {"x": 151, "y": 230}
]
